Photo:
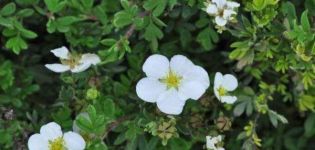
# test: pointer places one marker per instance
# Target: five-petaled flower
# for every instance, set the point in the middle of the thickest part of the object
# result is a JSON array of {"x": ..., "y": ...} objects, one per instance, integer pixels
[
  {"x": 223, "y": 85},
  {"x": 52, "y": 138},
  {"x": 73, "y": 62},
  {"x": 223, "y": 11},
  {"x": 214, "y": 143},
  {"x": 171, "y": 83}
]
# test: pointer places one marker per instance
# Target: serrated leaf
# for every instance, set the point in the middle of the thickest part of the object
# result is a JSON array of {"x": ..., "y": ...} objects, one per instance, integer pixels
[{"x": 155, "y": 6}]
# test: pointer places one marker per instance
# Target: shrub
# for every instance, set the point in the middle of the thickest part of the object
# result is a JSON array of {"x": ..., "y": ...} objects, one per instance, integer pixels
[{"x": 265, "y": 50}]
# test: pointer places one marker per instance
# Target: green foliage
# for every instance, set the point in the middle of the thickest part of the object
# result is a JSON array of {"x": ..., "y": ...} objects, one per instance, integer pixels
[{"x": 270, "y": 47}]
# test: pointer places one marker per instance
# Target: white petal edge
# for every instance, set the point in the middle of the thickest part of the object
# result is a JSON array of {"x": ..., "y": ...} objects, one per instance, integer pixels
[
  {"x": 37, "y": 142},
  {"x": 229, "y": 82},
  {"x": 149, "y": 89},
  {"x": 198, "y": 74},
  {"x": 193, "y": 90},
  {"x": 228, "y": 13},
  {"x": 51, "y": 131},
  {"x": 74, "y": 141},
  {"x": 212, "y": 9},
  {"x": 61, "y": 52},
  {"x": 232, "y": 5},
  {"x": 58, "y": 68},
  {"x": 90, "y": 58},
  {"x": 156, "y": 66},
  {"x": 210, "y": 143},
  {"x": 180, "y": 64},
  {"x": 228, "y": 99},
  {"x": 220, "y": 21},
  {"x": 81, "y": 67},
  {"x": 220, "y": 3},
  {"x": 218, "y": 79},
  {"x": 170, "y": 103}
]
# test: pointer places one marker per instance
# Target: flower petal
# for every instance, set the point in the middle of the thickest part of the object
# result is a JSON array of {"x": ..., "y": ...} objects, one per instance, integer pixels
[
  {"x": 74, "y": 141},
  {"x": 232, "y": 5},
  {"x": 181, "y": 64},
  {"x": 81, "y": 67},
  {"x": 218, "y": 79},
  {"x": 170, "y": 102},
  {"x": 90, "y": 58},
  {"x": 156, "y": 66},
  {"x": 220, "y": 3},
  {"x": 212, "y": 9},
  {"x": 228, "y": 99},
  {"x": 192, "y": 89},
  {"x": 37, "y": 142},
  {"x": 220, "y": 21},
  {"x": 51, "y": 131},
  {"x": 229, "y": 82},
  {"x": 228, "y": 13},
  {"x": 210, "y": 143},
  {"x": 61, "y": 52},
  {"x": 149, "y": 89},
  {"x": 57, "y": 67},
  {"x": 198, "y": 74}
]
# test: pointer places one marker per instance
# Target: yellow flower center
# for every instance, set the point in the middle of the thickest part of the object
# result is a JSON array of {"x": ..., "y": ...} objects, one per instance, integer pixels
[
  {"x": 74, "y": 60},
  {"x": 172, "y": 80},
  {"x": 222, "y": 91},
  {"x": 57, "y": 144}
]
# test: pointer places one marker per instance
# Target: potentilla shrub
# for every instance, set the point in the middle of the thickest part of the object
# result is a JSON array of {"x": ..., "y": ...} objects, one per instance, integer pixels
[{"x": 157, "y": 74}]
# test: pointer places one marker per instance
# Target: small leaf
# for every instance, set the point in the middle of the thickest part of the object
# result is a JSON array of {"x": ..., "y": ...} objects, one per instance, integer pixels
[
  {"x": 8, "y": 9},
  {"x": 305, "y": 22},
  {"x": 309, "y": 125},
  {"x": 16, "y": 44}
]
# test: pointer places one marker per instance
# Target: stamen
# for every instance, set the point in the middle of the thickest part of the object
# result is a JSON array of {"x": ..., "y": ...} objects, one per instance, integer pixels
[{"x": 57, "y": 144}]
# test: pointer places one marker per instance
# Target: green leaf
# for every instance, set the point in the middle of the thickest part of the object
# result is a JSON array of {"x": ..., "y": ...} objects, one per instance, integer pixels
[
  {"x": 55, "y": 5},
  {"x": 87, "y": 3},
  {"x": 305, "y": 22},
  {"x": 152, "y": 32},
  {"x": 6, "y": 75},
  {"x": 239, "y": 109},
  {"x": 275, "y": 117},
  {"x": 155, "y": 6},
  {"x": 122, "y": 19},
  {"x": 6, "y": 22},
  {"x": 8, "y": 9},
  {"x": 259, "y": 4},
  {"x": 207, "y": 37},
  {"x": 309, "y": 125},
  {"x": 27, "y": 12},
  {"x": 16, "y": 44},
  {"x": 28, "y": 34},
  {"x": 108, "y": 42}
]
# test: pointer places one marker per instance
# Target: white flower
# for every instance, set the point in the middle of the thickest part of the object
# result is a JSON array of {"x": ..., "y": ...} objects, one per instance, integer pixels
[
  {"x": 223, "y": 85},
  {"x": 223, "y": 11},
  {"x": 214, "y": 143},
  {"x": 74, "y": 63},
  {"x": 52, "y": 138},
  {"x": 171, "y": 83}
]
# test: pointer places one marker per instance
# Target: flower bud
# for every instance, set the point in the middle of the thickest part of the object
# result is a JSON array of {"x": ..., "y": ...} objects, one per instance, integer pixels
[{"x": 223, "y": 123}]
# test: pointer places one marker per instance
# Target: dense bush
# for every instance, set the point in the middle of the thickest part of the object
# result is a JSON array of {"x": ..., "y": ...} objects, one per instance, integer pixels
[{"x": 268, "y": 45}]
